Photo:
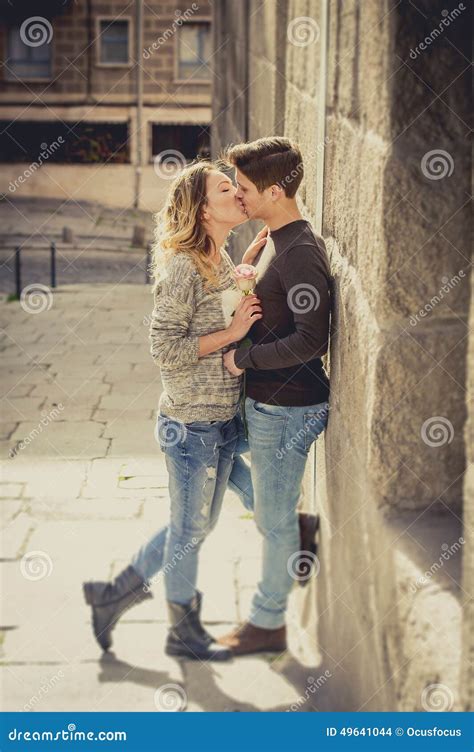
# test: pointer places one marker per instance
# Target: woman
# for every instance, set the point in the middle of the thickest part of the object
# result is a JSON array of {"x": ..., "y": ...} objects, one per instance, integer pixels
[{"x": 198, "y": 314}]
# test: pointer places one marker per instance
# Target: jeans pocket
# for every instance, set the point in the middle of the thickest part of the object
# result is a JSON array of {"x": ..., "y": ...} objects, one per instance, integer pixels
[
  {"x": 315, "y": 421},
  {"x": 274, "y": 412}
]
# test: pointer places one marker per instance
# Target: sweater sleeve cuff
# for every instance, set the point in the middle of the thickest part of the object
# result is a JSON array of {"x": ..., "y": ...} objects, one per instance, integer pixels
[{"x": 242, "y": 358}]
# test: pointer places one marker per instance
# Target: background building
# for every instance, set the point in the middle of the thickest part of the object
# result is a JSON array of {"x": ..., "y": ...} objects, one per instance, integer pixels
[
  {"x": 376, "y": 93},
  {"x": 93, "y": 91}
]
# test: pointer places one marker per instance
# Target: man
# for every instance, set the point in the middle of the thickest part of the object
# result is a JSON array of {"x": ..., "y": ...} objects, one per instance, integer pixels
[{"x": 287, "y": 389}]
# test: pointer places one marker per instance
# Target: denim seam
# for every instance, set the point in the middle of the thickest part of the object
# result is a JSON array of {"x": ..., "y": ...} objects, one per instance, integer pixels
[
  {"x": 305, "y": 415},
  {"x": 186, "y": 490}
]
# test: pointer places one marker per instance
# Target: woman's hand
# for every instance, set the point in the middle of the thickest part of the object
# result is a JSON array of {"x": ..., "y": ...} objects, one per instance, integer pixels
[
  {"x": 255, "y": 246},
  {"x": 229, "y": 362},
  {"x": 246, "y": 313}
]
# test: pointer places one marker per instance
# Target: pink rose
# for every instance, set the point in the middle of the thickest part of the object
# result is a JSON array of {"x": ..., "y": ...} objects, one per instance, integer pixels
[{"x": 245, "y": 277}]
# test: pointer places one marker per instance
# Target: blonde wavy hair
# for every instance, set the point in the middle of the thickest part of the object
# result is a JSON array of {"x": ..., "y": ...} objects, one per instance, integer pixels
[{"x": 179, "y": 227}]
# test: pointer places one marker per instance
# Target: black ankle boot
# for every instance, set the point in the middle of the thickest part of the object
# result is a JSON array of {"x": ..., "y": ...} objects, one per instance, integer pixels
[
  {"x": 109, "y": 600},
  {"x": 187, "y": 638},
  {"x": 199, "y": 626}
]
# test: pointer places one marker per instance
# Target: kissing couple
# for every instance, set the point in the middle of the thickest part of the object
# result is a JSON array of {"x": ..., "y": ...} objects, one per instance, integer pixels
[{"x": 241, "y": 373}]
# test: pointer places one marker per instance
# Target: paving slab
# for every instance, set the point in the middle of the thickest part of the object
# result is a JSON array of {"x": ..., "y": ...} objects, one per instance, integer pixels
[
  {"x": 86, "y": 509},
  {"x": 72, "y": 388},
  {"x": 20, "y": 409},
  {"x": 124, "y": 478},
  {"x": 15, "y": 534},
  {"x": 123, "y": 426},
  {"x": 126, "y": 679},
  {"x": 129, "y": 447},
  {"x": 47, "y": 478},
  {"x": 246, "y": 684},
  {"x": 11, "y": 490},
  {"x": 141, "y": 398},
  {"x": 9, "y": 509}
]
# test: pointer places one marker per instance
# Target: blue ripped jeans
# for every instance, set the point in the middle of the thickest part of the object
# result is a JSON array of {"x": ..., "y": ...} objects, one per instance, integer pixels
[{"x": 199, "y": 459}]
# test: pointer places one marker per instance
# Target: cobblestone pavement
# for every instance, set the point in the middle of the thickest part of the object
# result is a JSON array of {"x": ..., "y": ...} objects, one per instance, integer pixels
[
  {"x": 36, "y": 221},
  {"x": 100, "y": 249},
  {"x": 83, "y": 484}
]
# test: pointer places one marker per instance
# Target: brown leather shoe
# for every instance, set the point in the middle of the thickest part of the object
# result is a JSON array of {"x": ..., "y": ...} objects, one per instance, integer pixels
[
  {"x": 251, "y": 639},
  {"x": 309, "y": 526}
]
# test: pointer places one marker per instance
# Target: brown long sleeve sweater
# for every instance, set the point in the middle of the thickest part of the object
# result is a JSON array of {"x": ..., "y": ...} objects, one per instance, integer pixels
[{"x": 284, "y": 364}]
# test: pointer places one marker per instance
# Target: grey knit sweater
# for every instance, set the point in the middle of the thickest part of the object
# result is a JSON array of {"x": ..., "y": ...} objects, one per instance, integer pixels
[{"x": 195, "y": 389}]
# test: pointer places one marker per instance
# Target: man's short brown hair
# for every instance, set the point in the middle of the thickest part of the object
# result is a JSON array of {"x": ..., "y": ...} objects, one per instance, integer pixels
[{"x": 269, "y": 161}]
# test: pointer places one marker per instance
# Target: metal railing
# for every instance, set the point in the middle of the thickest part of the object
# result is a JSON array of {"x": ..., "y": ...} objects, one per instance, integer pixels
[{"x": 52, "y": 267}]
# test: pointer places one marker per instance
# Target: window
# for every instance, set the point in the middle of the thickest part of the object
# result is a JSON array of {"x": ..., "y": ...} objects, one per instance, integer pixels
[
  {"x": 114, "y": 42},
  {"x": 194, "y": 51},
  {"x": 26, "y": 61},
  {"x": 65, "y": 143},
  {"x": 190, "y": 140}
]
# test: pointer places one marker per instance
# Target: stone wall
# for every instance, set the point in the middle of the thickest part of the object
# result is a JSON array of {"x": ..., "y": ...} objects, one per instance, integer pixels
[
  {"x": 467, "y": 670},
  {"x": 389, "y": 470}
]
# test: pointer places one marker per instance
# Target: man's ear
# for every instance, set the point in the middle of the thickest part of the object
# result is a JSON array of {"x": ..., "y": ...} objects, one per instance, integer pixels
[{"x": 276, "y": 192}]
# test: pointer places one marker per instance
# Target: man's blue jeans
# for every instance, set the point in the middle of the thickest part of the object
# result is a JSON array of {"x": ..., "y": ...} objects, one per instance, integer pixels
[
  {"x": 279, "y": 441},
  {"x": 199, "y": 460}
]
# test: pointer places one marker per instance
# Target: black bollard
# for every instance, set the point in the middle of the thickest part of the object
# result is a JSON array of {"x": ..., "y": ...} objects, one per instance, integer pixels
[
  {"x": 17, "y": 272},
  {"x": 53, "y": 264}
]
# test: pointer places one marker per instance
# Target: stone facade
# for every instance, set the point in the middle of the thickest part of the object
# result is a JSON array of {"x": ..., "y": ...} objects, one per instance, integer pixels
[
  {"x": 467, "y": 670},
  {"x": 81, "y": 89},
  {"x": 382, "y": 124}
]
